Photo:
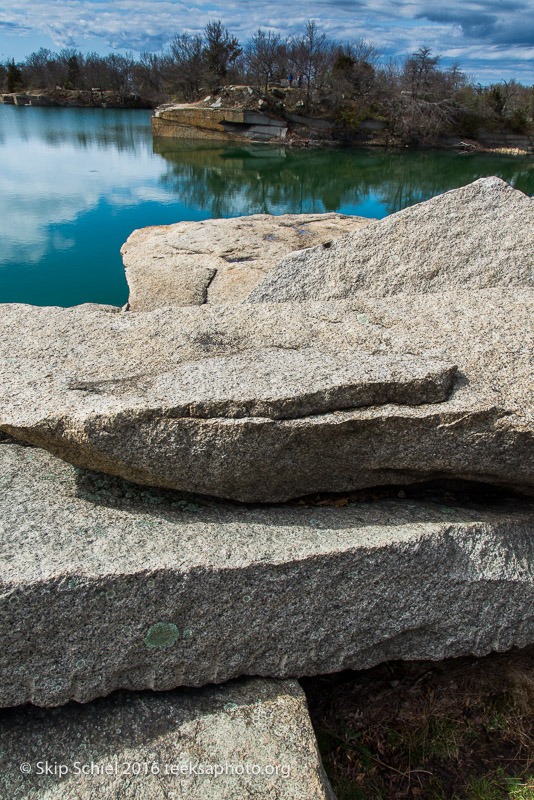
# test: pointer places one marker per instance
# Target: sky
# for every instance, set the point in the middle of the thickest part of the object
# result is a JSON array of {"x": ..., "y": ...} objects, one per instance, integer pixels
[{"x": 491, "y": 40}]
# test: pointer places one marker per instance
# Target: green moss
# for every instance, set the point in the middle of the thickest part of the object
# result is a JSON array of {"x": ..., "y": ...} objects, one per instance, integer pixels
[{"x": 162, "y": 634}]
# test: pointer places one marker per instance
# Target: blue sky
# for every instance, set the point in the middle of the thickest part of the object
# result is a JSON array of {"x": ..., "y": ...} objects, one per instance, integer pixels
[{"x": 491, "y": 39}]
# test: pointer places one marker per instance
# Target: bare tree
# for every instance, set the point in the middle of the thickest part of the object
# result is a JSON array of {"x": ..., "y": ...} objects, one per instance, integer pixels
[
  {"x": 416, "y": 97},
  {"x": 96, "y": 72},
  {"x": 184, "y": 69},
  {"x": 312, "y": 55},
  {"x": 120, "y": 70},
  {"x": 37, "y": 68},
  {"x": 419, "y": 73},
  {"x": 264, "y": 55},
  {"x": 428, "y": 105},
  {"x": 456, "y": 78},
  {"x": 148, "y": 75}
]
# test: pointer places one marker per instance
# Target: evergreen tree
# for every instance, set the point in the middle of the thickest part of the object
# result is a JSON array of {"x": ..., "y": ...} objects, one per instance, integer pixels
[
  {"x": 220, "y": 49},
  {"x": 14, "y": 76}
]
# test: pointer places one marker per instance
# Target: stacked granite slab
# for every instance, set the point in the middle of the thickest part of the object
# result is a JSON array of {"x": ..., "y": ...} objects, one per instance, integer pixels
[
  {"x": 109, "y": 585},
  {"x": 268, "y": 402},
  {"x": 250, "y": 737},
  {"x": 146, "y": 539}
]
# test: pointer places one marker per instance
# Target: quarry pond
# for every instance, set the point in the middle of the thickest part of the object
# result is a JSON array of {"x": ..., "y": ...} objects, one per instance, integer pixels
[{"x": 75, "y": 183}]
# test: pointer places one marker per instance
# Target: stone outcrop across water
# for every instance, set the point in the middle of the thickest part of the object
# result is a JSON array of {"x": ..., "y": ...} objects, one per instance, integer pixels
[
  {"x": 217, "y": 122},
  {"x": 268, "y": 402},
  {"x": 479, "y": 236},
  {"x": 218, "y": 260},
  {"x": 251, "y": 738},
  {"x": 105, "y": 584}
]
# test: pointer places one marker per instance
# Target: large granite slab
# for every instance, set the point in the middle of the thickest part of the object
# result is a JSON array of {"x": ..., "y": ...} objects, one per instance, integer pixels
[
  {"x": 218, "y": 260},
  {"x": 106, "y": 585},
  {"x": 479, "y": 236},
  {"x": 268, "y": 402},
  {"x": 251, "y": 738}
]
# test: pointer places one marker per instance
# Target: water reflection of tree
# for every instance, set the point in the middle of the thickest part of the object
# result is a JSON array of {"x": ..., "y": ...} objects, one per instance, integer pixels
[
  {"x": 226, "y": 181},
  {"x": 83, "y": 128}
]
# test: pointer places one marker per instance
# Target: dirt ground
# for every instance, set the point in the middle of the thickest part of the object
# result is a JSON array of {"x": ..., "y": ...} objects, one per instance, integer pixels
[{"x": 461, "y": 729}]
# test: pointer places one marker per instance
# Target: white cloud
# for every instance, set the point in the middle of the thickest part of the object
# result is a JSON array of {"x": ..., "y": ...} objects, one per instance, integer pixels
[
  {"x": 503, "y": 29},
  {"x": 31, "y": 193}
]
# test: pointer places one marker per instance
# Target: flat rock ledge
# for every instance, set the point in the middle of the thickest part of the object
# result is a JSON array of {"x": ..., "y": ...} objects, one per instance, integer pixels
[
  {"x": 479, "y": 236},
  {"x": 106, "y": 585},
  {"x": 219, "y": 260},
  {"x": 251, "y": 738},
  {"x": 269, "y": 402}
]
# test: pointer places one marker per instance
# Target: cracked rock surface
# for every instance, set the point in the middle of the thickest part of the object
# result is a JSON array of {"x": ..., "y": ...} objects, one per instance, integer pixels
[
  {"x": 269, "y": 402},
  {"x": 258, "y": 726},
  {"x": 479, "y": 236},
  {"x": 218, "y": 260}
]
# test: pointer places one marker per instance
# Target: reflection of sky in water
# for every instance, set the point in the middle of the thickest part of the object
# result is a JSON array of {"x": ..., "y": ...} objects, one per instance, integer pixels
[
  {"x": 46, "y": 182},
  {"x": 41, "y": 187},
  {"x": 74, "y": 184}
]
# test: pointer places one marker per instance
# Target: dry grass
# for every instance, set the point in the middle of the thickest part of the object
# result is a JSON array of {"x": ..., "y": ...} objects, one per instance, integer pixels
[{"x": 461, "y": 729}]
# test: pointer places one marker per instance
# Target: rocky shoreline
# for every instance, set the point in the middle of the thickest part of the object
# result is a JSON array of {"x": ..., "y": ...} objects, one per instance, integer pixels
[
  {"x": 231, "y": 479},
  {"x": 213, "y": 121},
  {"x": 238, "y": 113},
  {"x": 75, "y": 98}
]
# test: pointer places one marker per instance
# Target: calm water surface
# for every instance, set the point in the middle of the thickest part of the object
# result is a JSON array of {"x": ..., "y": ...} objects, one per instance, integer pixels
[{"x": 74, "y": 183}]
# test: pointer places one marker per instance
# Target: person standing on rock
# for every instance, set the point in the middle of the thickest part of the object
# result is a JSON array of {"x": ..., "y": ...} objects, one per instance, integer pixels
[{"x": 290, "y": 80}]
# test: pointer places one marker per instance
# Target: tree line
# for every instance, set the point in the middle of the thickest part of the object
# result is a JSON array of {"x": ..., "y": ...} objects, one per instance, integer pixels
[{"x": 346, "y": 82}]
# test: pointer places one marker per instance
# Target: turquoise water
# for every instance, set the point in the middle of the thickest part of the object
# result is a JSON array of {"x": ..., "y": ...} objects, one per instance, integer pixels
[{"x": 74, "y": 183}]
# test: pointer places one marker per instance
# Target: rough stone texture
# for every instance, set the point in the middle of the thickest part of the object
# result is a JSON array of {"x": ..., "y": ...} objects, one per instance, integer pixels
[
  {"x": 159, "y": 397},
  {"x": 255, "y": 725},
  {"x": 105, "y": 585},
  {"x": 285, "y": 384},
  {"x": 478, "y": 236},
  {"x": 218, "y": 260}
]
